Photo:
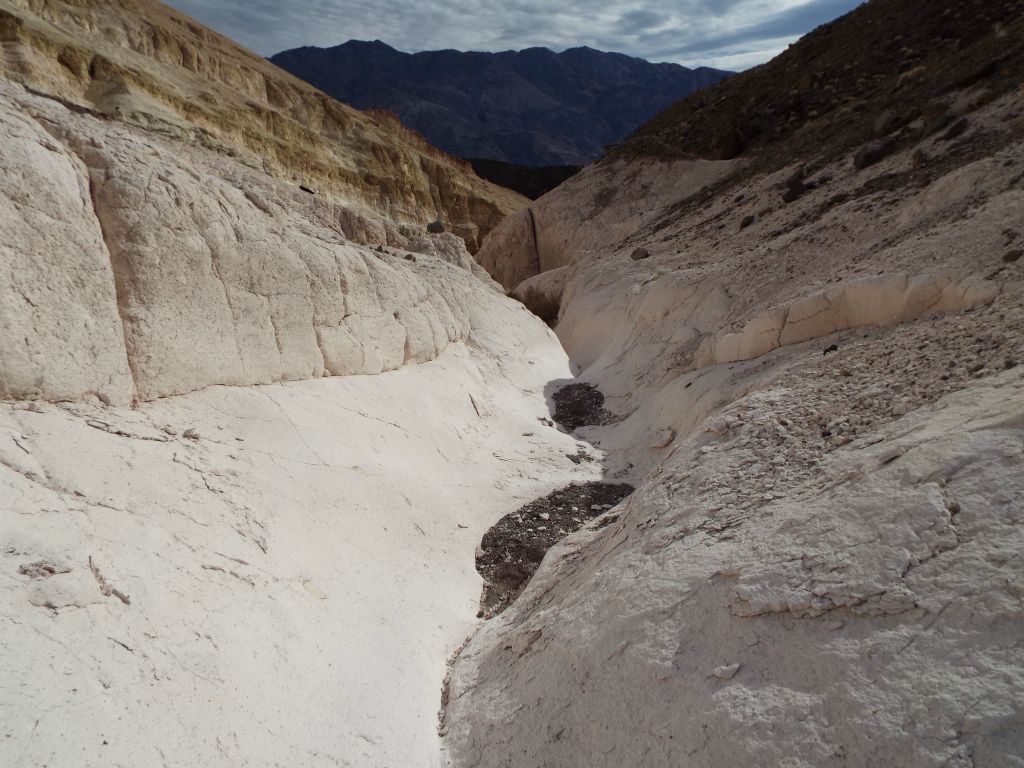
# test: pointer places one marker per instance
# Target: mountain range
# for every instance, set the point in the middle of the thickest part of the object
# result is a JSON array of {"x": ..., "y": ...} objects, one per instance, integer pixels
[{"x": 530, "y": 107}]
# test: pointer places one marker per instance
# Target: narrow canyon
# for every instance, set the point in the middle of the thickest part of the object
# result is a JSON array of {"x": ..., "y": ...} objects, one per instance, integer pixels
[{"x": 316, "y": 449}]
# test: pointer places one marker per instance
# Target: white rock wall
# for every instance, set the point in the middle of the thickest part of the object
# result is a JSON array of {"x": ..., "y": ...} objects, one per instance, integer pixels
[{"x": 199, "y": 271}]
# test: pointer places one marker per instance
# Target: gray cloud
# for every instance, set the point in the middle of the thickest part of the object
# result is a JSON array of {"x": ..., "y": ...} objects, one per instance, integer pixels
[{"x": 732, "y": 34}]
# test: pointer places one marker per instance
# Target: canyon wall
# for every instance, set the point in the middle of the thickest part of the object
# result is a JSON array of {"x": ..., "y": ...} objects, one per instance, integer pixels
[
  {"x": 811, "y": 360},
  {"x": 142, "y": 63}
]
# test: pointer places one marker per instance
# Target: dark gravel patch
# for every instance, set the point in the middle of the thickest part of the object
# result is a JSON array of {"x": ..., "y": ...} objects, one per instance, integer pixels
[
  {"x": 513, "y": 548},
  {"x": 580, "y": 405}
]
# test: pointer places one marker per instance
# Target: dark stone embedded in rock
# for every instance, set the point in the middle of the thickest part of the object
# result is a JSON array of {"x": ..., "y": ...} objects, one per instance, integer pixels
[
  {"x": 956, "y": 129},
  {"x": 435, "y": 227},
  {"x": 730, "y": 145},
  {"x": 793, "y": 193},
  {"x": 796, "y": 179},
  {"x": 885, "y": 122},
  {"x": 639, "y": 254},
  {"x": 1011, "y": 256},
  {"x": 936, "y": 124},
  {"x": 306, "y": 189},
  {"x": 870, "y": 155},
  {"x": 747, "y": 220},
  {"x": 919, "y": 159},
  {"x": 979, "y": 73}
]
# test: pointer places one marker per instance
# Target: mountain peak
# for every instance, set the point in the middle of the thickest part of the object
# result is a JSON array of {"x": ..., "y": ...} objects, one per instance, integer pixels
[{"x": 534, "y": 107}]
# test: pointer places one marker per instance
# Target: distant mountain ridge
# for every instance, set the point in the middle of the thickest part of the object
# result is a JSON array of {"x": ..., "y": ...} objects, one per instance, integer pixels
[{"x": 531, "y": 107}]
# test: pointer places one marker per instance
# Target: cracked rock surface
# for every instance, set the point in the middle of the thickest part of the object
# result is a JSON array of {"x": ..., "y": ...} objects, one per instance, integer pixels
[{"x": 162, "y": 269}]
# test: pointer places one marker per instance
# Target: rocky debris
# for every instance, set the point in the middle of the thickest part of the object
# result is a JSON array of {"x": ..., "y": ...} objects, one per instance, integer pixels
[
  {"x": 435, "y": 227},
  {"x": 42, "y": 569},
  {"x": 580, "y": 456},
  {"x": 663, "y": 439},
  {"x": 580, "y": 405},
  {"x": 514, "y": 547},
  {"x": 639, "y": 254}
]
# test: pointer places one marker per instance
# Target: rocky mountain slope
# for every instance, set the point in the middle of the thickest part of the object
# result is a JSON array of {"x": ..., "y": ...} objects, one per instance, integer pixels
[
  {"x": 530, "y": 107},
  {"x": 800, "y": 293},
  {"x": 140, "y": 62}
]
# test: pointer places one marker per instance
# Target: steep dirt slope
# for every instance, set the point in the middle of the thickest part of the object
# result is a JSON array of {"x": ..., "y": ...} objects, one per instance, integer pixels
[
  {"x": 143, "y": 63},
  {"x": 812, "y": 353}
]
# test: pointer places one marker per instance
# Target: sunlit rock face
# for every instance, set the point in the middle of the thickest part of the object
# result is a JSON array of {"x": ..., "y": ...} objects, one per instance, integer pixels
[{"x": 143, "y": 63}]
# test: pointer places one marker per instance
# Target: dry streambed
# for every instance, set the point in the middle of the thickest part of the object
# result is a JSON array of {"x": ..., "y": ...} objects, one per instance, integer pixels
[{"x": 513, "y": 548}]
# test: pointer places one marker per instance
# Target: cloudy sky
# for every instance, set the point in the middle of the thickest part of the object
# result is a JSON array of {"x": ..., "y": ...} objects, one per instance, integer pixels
[{"x": 730, "y": 34}]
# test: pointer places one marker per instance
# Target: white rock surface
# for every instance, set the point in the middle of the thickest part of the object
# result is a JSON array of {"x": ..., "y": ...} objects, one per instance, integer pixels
[
  {"x": 823, "y": 412},
  {"x": 60, "y": 328},
  {"x": 243, "y": 575},
  {"x": 206, "y": 272},
  {"x": 295, "y": 560},
  {"x": 873, "y": 607}
]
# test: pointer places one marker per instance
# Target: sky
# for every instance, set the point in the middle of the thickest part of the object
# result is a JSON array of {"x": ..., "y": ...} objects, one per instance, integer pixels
[{"x": 727, "y": 34}]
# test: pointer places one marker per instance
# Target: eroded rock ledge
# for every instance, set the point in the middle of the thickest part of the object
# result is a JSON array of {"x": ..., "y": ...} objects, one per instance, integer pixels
[{"x": 141, "y": 268}]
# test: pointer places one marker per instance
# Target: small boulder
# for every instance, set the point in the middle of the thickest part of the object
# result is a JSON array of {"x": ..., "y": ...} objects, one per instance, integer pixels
[
  {"x": 885, "y": 123},
  {"x": 872, "y": 154},
  {"x": 726, "y": 672},
  {"x": 435, "y": 227},
  {"x": 796, "y": 179},
  {"x": 747, "y": 220},
  {"x": 639, "y": 254},
  {"x": 1011, "y": 256},
  {"x": 730, "y": 144},
  {"x": 792, "y": 194}
]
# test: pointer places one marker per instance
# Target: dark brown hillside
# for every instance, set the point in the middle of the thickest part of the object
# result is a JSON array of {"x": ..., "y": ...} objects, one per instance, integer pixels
[{"x": 868, "y": 74}]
